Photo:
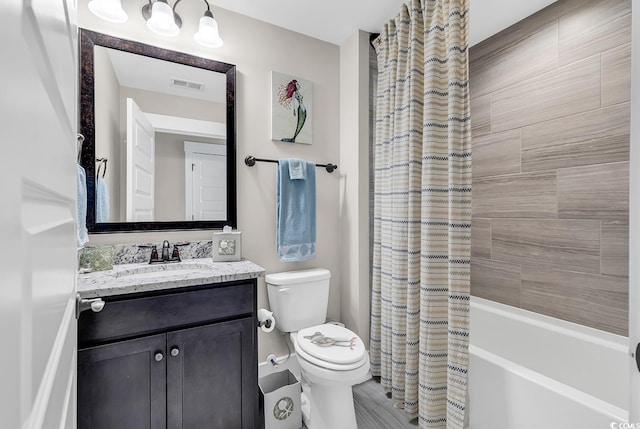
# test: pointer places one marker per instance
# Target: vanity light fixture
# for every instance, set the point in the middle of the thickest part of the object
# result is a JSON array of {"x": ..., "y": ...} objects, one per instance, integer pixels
[
  {"x": 208, "y": 34},
  {"x": 162, "y": 19},
  {"x": 109, "y": 10}
]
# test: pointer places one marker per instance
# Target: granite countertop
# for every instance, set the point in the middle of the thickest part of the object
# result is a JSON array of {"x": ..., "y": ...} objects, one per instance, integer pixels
[{"x": 134, "y": 278}]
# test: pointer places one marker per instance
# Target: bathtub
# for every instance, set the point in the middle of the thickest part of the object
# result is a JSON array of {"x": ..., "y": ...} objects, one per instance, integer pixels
[{"x": 529, "y": 371}]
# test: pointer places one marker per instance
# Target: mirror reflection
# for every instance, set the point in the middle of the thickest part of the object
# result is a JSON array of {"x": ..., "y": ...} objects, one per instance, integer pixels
[
  {"x": 159, "y": 126},
  {"x": 160, "y": 140}
]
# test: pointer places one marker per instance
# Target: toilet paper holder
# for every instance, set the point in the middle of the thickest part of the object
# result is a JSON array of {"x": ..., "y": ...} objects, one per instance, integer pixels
[{"x": 266, "y": 322}]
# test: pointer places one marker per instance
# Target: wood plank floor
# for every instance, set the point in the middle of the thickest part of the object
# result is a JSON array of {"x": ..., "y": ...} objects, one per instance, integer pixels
[{"x": 375, "y": 411}]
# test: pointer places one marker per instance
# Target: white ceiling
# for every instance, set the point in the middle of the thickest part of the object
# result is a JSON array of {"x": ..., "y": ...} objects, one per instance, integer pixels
[
  {"x": 133, "y": 71},
  {"x": 335, "y": 20}
]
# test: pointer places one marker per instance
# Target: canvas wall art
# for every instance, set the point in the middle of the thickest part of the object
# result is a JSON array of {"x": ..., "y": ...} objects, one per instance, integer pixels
[{"x": 291, "y": 113}]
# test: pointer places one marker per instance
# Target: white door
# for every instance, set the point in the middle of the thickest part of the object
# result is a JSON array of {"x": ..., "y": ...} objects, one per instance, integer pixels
[
  {"x": 141, "y": 152},
  {"x": 206, "y": 181},
  {"x": 38, "y": 79},
  {"x": 634, "y": 222}
]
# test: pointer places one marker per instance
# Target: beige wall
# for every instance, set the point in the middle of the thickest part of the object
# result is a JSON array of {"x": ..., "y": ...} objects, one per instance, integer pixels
[
  {"x": 169, "y": 178},
  {"x": 258, "y": 48},
  {"x": 107, "y": 137},
  {"x": 354, "y": 183},
  {"x": 550, "y": 106}
]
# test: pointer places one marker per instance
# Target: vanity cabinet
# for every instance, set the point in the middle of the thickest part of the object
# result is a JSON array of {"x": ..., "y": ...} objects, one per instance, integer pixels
[{"x": 171, "y": 359}]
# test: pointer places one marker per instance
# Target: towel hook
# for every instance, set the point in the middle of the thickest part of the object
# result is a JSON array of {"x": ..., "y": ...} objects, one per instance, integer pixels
[
  {"x": 103, "y": 164},
  {"x": 80, "y": 144}
]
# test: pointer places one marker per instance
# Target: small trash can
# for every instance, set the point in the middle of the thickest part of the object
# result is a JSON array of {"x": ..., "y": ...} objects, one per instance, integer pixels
[{"x": 280, "y": 399}]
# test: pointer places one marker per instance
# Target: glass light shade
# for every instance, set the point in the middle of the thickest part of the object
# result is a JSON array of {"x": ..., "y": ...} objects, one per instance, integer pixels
[
  {"x": 207, "y": 34},
  {"x": 109, "y": 10},
  {"x": 162, "y": 21}
]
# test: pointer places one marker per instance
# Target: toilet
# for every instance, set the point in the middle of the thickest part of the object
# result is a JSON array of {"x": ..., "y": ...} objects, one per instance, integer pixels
[{"x": 332, "y": 358}]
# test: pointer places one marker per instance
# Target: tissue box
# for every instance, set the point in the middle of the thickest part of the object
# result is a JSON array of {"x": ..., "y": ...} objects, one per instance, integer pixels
[{"x": 227, "y": 246}]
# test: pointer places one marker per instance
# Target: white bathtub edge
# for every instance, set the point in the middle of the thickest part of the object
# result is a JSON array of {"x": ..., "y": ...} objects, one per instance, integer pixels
[
  {"x": 613, "y": 341},
  {"x": 615, "y": 413}
]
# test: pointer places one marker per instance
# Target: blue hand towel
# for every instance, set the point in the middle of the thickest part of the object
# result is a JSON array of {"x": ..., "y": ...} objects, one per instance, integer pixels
[
  {"x": 295, "y": 213},
  {"x": 83, "y": 234},
  {"x": 102, "y": 200},
  {"x": 297, "y": 169}
]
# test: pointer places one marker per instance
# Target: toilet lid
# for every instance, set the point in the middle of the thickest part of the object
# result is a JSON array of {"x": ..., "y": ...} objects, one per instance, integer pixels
[{"x": 331, "y": 343}]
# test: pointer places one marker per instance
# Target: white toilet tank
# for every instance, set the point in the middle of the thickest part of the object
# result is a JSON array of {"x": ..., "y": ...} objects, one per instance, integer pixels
[{"x": 299, "y": 299}]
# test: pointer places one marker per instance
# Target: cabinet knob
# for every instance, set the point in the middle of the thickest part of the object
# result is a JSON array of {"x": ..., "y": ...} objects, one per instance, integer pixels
[
  {"x": 175, "y": 351},
  {"x": 158, "y": 357}
]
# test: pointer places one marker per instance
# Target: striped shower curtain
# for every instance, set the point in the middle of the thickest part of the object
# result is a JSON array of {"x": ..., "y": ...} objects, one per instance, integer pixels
[{"x": 422, "y": 212}]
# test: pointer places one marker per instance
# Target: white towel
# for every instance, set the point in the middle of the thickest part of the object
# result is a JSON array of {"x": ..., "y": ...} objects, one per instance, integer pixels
[
  {"x": 83, "y": 234},
  {"x": 102, "y": 200}
]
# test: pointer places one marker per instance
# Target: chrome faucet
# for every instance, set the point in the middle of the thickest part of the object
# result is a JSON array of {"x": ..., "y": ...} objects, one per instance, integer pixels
[{"x": 165, "y": 250}]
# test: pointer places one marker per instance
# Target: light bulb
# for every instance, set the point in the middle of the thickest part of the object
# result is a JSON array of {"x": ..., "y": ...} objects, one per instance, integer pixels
[
  {"x": 162, "y": 21},
  {"x": 207, "y": 34}
]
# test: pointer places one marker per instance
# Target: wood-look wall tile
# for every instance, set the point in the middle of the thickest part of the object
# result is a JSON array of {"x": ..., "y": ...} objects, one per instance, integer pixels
[
  {"x": 595, "y": 137},
  {"x": 496, "y": 154},
  {"x": 496, "y": 281},
  {"x": 614, "y": 248},
  {"x": 616, "y": 75},
  {"x": 524, "y": 28},
  {"x": 594, "y": 192},
  {"x": 524, "y": 58},
  {"x": 565, "y": 91},
  {"x": 481, "y": 238},
  {"x": 592, "y": 300},
  {"x": 594, "y": 28},
  {"x": 572, "y": 110},
  {"x": 526, "y": 195},
  {"x": 480, "y": 116},
  {"x": 563, "y": 244}
]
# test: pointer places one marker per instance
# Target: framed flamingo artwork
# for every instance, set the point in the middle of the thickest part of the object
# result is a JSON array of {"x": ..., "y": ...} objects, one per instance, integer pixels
[{"x": 291, "y": 109}]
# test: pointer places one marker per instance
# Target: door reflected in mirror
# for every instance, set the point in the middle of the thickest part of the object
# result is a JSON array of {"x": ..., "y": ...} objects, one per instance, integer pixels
[{"x": 164, "y": 122}]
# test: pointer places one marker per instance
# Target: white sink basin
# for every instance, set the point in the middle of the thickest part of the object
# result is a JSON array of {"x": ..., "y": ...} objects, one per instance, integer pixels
[{"x": 163, "y": 270}]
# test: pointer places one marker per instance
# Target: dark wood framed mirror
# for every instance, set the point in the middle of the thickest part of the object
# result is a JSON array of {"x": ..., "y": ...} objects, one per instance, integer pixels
[{"x": 179, "y": 199}]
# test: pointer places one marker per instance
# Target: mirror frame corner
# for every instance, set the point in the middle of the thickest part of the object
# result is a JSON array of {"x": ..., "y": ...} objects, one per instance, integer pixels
[{"x": 87, "y": 40}]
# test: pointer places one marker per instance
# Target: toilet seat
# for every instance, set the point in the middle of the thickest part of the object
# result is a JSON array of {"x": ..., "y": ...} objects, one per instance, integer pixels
[{"x": 340, "y": 356}]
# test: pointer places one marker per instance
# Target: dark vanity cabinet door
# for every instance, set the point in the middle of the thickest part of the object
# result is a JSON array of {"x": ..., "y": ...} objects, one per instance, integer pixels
[
  {"x": 122, "y": 385},
  {"x": 182, "y": 359},
  {"x": 212, "y": 377}
]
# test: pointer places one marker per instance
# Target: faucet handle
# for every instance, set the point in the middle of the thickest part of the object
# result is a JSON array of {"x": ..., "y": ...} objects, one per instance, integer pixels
[
  {"x": 175, "y": 255},
  {"x": 154, "y": 255},
  {"x": 154, "y": 252}
]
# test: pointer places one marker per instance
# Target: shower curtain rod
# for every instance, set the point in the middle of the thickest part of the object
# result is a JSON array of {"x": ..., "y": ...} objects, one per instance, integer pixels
[{"x": 250, "y": 161}]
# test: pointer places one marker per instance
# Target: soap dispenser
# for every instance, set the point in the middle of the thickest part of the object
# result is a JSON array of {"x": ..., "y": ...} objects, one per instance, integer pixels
[{"x": 227, "y": 245}]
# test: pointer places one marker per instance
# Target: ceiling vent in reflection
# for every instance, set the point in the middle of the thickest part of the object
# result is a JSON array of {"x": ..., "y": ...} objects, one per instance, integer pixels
[{"x": 181, "y": 83}]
